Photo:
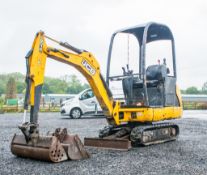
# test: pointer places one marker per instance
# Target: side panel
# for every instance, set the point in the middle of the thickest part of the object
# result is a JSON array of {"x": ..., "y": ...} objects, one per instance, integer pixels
[
  {"x": 167, "y": 113},
  {"x": 170, "y": 92},
  {"x": 146, "y": 114}
]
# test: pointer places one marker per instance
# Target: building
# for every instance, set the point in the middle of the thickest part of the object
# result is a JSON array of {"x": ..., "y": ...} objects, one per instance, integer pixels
[{"x": 194, "y": 98}]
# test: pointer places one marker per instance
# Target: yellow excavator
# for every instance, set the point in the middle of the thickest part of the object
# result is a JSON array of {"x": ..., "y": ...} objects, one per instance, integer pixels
[{"x": 150, "y": 97}]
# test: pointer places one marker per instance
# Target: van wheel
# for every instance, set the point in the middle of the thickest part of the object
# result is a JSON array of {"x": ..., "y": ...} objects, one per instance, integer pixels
[{"x": 75, "y": 113}]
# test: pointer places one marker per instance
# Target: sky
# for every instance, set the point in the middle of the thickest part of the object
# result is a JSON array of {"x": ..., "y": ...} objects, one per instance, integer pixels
[{"x": 88, "y": 24}]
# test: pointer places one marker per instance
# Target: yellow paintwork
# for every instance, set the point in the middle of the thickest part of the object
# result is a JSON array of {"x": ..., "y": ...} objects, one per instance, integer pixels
[
  {"x": 37, "y": 67},
  {"x": 144, "y": 114},
  {"x": 37, "y": 63},
  {"x": 90, "y": 68}
]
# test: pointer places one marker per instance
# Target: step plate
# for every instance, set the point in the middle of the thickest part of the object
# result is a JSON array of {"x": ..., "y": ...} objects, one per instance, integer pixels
[{"x": 114, "y": 144}]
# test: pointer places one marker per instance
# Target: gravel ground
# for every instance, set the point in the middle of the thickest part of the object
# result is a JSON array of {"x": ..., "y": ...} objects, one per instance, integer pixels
[{"x": 187, "y": 155}]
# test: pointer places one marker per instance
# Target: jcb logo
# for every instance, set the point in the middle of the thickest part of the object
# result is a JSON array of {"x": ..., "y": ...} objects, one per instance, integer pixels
[{"x": 88, "y": 67}]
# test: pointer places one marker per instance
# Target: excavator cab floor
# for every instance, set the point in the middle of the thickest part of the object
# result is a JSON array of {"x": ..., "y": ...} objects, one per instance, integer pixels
[{"x": 52, "y": 148}]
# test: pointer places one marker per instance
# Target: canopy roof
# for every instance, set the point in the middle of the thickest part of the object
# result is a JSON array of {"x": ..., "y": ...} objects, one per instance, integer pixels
[{"x": 153, "y": 31}]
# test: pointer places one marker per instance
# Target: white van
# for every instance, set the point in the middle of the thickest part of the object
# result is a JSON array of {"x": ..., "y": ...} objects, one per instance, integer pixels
[{"x": 83, "y": 103}]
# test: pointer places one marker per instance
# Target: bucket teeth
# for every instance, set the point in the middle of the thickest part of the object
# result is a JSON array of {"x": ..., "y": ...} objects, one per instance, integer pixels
[{"x": 54, "y": 148}]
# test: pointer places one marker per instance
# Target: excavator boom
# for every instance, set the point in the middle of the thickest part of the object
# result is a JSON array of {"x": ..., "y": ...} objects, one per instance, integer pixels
[
  {"x": 51, "y": 147},
  {"x": 82, "y": 60}
]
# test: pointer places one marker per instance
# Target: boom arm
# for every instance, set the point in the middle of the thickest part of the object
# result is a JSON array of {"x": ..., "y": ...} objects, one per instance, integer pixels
[{"x": 81, "y": 60}]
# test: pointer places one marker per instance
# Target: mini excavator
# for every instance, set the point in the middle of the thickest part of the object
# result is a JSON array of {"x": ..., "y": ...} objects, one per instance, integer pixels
[{"x": 150, "y": 97}]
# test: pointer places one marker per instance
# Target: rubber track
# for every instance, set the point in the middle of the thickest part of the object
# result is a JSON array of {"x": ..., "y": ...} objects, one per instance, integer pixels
[{"x": 142, "y": 129}]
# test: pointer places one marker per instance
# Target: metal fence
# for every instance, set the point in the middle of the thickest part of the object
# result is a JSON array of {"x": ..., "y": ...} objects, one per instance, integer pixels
[{"x": 193, "y": 101}]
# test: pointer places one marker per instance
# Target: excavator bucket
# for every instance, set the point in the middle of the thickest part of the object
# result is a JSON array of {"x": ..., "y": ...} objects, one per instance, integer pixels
[
  {"x": 57, "y": 147},
  {"x": 47, "y": 149}
]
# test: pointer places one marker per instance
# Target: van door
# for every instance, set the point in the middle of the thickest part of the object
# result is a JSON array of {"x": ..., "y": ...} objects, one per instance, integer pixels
[{"x": 88, "y": 101}]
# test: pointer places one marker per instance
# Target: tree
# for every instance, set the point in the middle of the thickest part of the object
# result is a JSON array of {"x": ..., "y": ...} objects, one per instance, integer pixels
[
  {"x": 11, "y": 88},
  {"x": 18, "y": 77},
  {"x": 65, "y": 84},
  {"x": 2, "y": 90},
  {"x": 20, "y": 87},
  {"x": 1, "y": 102},
  {"x": 54, "y": 85},
  {"x": 75, "y": 86},
  {"x": 204, "y": 88},
  {"x": 183, "y": 91},
  {"x": 46, "y": 88},
  {"x": 192, "y": 90}
]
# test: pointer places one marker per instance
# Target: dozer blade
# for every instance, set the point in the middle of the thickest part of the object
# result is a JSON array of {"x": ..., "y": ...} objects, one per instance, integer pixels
[
  {"x": 55, "y": 148},
  {"x": 108, "y": 143}
]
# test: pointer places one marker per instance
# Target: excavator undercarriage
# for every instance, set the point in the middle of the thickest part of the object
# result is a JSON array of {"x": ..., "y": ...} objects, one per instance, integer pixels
[{"x": 126, "y": 136}]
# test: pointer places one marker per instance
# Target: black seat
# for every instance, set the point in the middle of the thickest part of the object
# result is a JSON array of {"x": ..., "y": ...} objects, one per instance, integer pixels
[
  {"x": 139, "y": 83},
  {"x": 154, "y": 74}
]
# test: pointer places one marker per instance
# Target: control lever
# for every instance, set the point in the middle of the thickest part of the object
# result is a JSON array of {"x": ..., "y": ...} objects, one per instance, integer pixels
[{"x": 124, "y": 71}]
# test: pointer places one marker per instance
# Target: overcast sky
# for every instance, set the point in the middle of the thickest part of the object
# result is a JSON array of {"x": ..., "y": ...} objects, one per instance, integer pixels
[{"x": 88, "y": 24}]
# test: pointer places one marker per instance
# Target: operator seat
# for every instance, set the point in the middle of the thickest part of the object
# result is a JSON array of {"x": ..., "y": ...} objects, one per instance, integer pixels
[{"x": 156, "y": 74}]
